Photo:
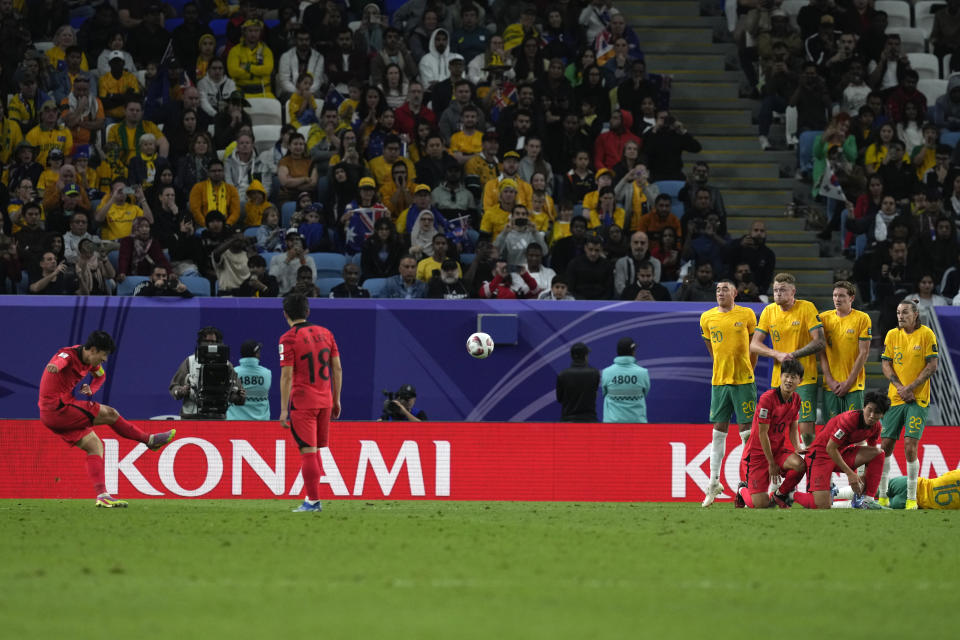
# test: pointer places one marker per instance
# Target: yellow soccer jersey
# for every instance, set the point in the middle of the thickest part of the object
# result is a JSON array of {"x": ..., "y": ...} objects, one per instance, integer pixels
[
  {"x": 467, "y": 144},
  {"x": 843, "y": 343},
  {"x": 729, "y": 336},
  {"x": 909, "y": 352},
  {"x": 789, "y": 331},
  {"x": 939, "y": 493},
  {"x": 46, "y": 140}
]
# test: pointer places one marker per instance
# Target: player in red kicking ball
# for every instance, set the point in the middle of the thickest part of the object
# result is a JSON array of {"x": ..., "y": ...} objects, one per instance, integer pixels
[
  {"x": 73, "y": 420},
  {"x": 834, "y": 449},
  {"x": 767, "y": 452}
]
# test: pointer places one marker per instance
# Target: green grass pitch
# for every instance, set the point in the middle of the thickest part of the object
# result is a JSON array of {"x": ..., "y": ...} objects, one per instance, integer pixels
[{"x": 453, "y": 570}]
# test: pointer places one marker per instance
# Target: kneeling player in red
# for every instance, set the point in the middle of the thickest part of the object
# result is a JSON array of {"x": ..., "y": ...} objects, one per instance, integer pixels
[
  {"x": 73, "y": 420},
  {"x": 310, "y": 381},
  {"x": 835, "y": 449},
  {"x": 766, "y": 453}
]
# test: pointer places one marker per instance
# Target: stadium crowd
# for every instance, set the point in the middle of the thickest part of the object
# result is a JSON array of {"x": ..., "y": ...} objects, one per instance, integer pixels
[
  {"x": 455, "y": 149},
  {"x": 876, "y": 122}
]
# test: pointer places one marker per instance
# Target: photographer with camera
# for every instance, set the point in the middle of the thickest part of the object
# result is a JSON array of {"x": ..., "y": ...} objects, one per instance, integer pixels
[
  {"x": 190, "y": 385},
  {"x": 399, "y": 405},
  {"x": 162, "y": 284},
  {"x": 664, "y": 145}
]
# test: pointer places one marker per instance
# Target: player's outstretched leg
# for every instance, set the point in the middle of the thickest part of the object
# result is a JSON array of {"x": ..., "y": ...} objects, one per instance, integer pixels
[
  {"x": 126, "y": 429},
  {"x": 159, "y": 440},
  {"x": 93, "y": 447}
]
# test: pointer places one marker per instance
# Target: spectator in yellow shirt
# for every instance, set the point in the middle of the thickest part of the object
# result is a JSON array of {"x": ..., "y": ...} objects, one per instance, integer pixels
[
  {"x": 468, "y": 142},
  {"x": 50, "y": 134},
  {"x": 63, "y": 39},
  {"x": 495, "y": 218},
  {"x": 116, "y": 214},
  {"x": 213, "y": 194},
  {"x": 127, "y": 133},
  {"x": 250, "y": 62},
  {"x": 118, "y": 87},
  {"x": 491, "y": 190},
  {"x": 10, "y": 135}
]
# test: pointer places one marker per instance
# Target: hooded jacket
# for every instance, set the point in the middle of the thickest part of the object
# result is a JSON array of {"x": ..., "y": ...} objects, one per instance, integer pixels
[
  {"x": 608, "y": 149},
  {"x": 946, "y": 112},
  {"x": 434, "y": 66}
]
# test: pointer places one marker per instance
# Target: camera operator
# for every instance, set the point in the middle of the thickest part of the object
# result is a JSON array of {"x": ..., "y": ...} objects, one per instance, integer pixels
[
  {"x": 186, "y": 381},
  {"x": 399, "y": 406},
  {"x": 162, "y": 284}
]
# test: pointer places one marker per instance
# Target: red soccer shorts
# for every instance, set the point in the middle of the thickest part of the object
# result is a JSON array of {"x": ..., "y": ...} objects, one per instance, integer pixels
[
  {"x": 758, "y": 470},
  {"x": 72, "y": 421},
  {"x": 821, "y": 466},
  {"x": 310, "y": 426}
]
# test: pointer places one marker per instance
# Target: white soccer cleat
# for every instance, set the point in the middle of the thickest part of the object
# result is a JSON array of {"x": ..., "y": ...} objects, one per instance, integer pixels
[{"x": 714, "y": 490}]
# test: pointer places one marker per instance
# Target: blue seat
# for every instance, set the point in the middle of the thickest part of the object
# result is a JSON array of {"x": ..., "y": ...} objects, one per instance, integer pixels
[
  {"x": 671, "y": 286},
  {"x": 466, "y": 259},
  {"x": 197, "y": 285},
  {"x": 114, "y": 258},
  {"x": 950, "y": 138},
  {"x": 677, "y": 207},
  {"x": 130, "y": 283},
  {"x": 670, "y": 187},
  {"x": 356, "y": 259},
  {"x": 172, "y": 23},
  {"x": 77, "y": 21},
  {"x": 286, "y": 212},
  {"x": 326, "y": 284},
  {"x": 219, "y": 26},
  {"x": 251, "y": 232},
  {"x": 23, "y": 287},
  {"x": 375, "y": 286},
  {"x": 329, "y": 265}
]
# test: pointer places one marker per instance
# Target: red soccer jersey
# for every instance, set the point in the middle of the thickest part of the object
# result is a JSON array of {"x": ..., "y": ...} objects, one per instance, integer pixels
[
  {"x": 308, "y": 348},
  {"x": 57, "y": 388},
  {"x": 772, "y": 410},
  {"x": 846, "y": 429}
]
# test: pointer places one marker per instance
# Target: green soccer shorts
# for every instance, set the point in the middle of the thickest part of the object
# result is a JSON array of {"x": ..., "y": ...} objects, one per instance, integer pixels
[
  {"x": 808, "y": 402},
  {"x": 834, "y": 406},
  {"x": 897, "y": 492},
  {"x": 909, "y": 417},
  {"x": 736, "y": 400}
]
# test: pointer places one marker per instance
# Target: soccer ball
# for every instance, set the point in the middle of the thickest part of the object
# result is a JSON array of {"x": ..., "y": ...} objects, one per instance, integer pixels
[{"x": 479, "y": 345}]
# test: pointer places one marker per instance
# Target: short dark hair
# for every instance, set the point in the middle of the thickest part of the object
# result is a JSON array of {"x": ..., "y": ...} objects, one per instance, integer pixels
[
  {"x": 645, "y": 265},
  {"x": 101, "y": 341},
  {"x": 791, "y": 366},
  {"x": 663, "y": 196},
  {"x": 257, "y": 261},
  {"x": 558, "y": 279},
  {"x": 878, "y": 399},
  {"x": 593, "y": 240},
  {"x": 296, "y": 306}
]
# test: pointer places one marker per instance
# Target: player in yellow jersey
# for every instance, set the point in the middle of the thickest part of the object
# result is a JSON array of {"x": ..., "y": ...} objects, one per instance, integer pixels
[
  {"x": 909, "y": 359},
  {"x": 795, "y": 331},
  {"x": 726, "y": 330},
  {"x": 936, "y": 493},
  {"x": 848, "y": 333}
]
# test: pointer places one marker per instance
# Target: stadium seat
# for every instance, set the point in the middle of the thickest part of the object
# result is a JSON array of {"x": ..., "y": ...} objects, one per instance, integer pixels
[
  {"x": 932, "y": 89},
  {"x": 130, "y": 283},
  {"x": 197, "y": 285},
  {"x": 251, "y": 232},
  {"x": 923, "y": 13},
  {"x": 898, "y": 12},
  {"x": 925, "y": 64},
  {"x": 945, "y": 72},
  {"x": 43, "y": 47},
  {"x": 355, "y": 259},
  {"x": 268, "y": 256},
  {"x": 792, "y": 7},
  {"x": 670, "y": 187},
  {"x": 466, "y": 259},
  {"x": 326, "y": 284},
  {"x": 329, "y": 265},
  {"x": 911, "y": 40},
  {"x": 265, "y": 136},
  {"x": 172, "y": 23},
  {"x": 286, "y": 212},
  {"x": 219, "y": 27},
  {"x": 114, "y": 258},
  {"x": 671, "y": 286},
  {"x": 265, "y": 111},
  {"x": 374, "y": 286},
  {"x": 950, "y": 138},
  {"x": 77, "y": 21},
  {"x": 304, "y": 131}
]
